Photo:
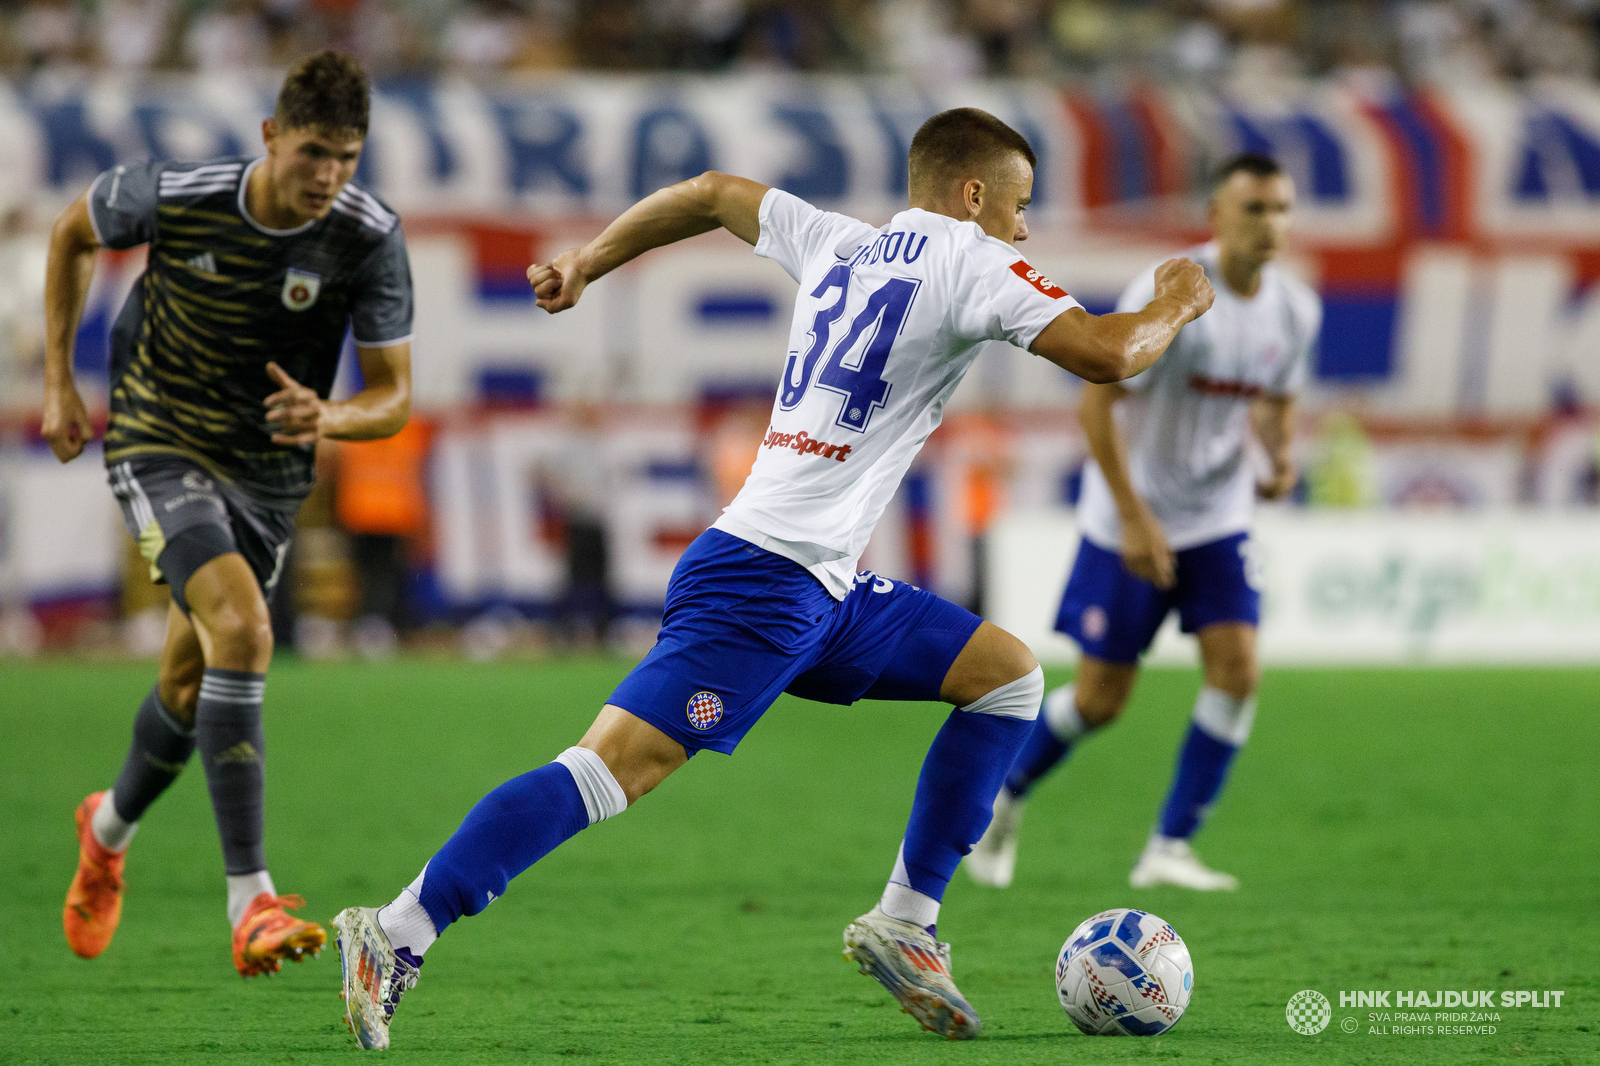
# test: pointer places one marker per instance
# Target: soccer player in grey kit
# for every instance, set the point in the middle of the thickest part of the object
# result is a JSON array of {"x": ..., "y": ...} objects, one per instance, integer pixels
[{"x": 221, "y": 364}]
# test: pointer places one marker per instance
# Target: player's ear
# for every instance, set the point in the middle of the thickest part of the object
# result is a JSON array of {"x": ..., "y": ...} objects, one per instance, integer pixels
[
  {"x": 972, "y": 197},
  {"x": 269, "y": 131}
]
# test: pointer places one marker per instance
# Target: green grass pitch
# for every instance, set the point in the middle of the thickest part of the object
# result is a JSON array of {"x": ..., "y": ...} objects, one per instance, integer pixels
[{"x": 1423, "y": 829}]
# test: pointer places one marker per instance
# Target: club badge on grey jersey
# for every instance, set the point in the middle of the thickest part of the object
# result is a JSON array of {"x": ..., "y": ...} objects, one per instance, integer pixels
[{"x": 300, "y": 288}]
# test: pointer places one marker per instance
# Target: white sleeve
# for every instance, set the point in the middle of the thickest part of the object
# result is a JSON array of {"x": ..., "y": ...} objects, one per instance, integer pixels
[
  {"x": 792, "y": 231},
  {"x": 1021, "y": 301},
  {"x": 1140, "y": 291},
  {"x": 1291, "y": 379}
]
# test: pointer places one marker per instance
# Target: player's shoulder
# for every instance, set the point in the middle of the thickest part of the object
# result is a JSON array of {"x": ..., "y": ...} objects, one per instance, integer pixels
[
  {"x": 1300, "y": 295},
  {"x": 1300, "y": 300},
  {"x": 364, "y": 209},
  {"x": 190, "y": 179}
]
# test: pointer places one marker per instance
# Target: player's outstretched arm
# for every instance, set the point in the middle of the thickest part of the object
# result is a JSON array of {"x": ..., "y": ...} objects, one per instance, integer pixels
[
  {"x": 299, "y": 416},
  {"x": 686, "y": 209},
  {"x": 68, "y": 271},
  {"x": 1273, "y": 420},
  {"x": 1107, "y": 348},
  {"x": 1144, "y": 547}
]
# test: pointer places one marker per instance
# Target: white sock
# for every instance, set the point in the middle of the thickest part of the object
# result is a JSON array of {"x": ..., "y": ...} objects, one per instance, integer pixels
[
  {"x": 905, "y": 903},
  {"x": 1062, "y": 715},
  {"x": 405, "y": 922},
  {"x": 602, "y": 797},
  {"x": 242, "y": 888},
  {"x": 109, "y": 828},
  {"x": 1226, "y": 718}
]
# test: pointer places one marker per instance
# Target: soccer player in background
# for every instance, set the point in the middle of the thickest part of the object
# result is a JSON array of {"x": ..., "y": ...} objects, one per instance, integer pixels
[
  {"x": 1165, "y": 517},
  {"x": 221, "y": 363},
  {"x": 768, "y": 600}
]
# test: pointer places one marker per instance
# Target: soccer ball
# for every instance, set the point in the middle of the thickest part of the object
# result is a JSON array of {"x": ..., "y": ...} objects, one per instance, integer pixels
[{"x": 1124, "y": 973}]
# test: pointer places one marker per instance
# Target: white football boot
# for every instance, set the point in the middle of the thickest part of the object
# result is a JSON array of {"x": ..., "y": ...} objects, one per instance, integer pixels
[
  {"x": 915, "y": 968},
  {"x": 1169, "y": 861},
  {"x": 375, "y": 975},
  {"x": 993, "y": 859}
]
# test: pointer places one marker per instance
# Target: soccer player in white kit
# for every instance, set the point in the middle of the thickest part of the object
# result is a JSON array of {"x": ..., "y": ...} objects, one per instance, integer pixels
[
  {"x": 768, "y": 600},
  {"x": 1165, "y": 516}
]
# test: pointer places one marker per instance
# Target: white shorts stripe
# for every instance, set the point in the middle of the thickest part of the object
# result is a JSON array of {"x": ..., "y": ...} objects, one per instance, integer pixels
[{"x": 143, "y": 513}]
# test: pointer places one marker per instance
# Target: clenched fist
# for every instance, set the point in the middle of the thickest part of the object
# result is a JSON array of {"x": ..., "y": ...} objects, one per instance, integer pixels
[
  {"x": 65, "y": 426},
  {"x": 1184, "y": 281}
]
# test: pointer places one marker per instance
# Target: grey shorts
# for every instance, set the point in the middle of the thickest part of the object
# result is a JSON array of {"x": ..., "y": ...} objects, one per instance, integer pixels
[{"x": 183, "y": 517}]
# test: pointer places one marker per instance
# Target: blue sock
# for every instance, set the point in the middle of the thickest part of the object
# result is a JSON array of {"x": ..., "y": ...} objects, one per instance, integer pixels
[
  {"x": 508, "y": 831},
  {"x": 1057, "y": 728},
  {"x": 1041, "y": 752},
  {"x": 1202, "y": 768},
  {"x": 1220, "y": 726},
  {"x": 955, "y": 794}
]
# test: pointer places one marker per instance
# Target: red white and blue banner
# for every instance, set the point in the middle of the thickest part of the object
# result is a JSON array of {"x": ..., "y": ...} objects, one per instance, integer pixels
[{"x": 1454, "y": 236}]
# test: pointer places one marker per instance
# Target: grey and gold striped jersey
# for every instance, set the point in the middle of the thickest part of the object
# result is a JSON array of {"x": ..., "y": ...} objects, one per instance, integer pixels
[{"x": 223, "y": 295}]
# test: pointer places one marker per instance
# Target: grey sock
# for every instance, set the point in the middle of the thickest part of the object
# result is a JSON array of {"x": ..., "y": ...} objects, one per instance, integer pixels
[
  {"x": 161, "y": 747},
  {"x": 233, "y": 749}
]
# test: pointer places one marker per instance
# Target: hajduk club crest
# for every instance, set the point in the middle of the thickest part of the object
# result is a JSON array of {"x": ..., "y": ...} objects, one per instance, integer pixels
[
  {"x": 705, "y": 710},
  {"x": 300, "y": 288}
]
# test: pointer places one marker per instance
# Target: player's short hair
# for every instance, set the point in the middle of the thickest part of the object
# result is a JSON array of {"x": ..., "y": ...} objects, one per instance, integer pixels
[
  {"x": 1252, "y": 163},
  {"x": 960, "y": 143},
  {"x": 325, "y": 91}
]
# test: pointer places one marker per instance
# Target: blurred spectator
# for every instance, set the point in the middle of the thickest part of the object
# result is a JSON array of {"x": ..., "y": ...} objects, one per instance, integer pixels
[
  {"x": 382, "y": 504},
  {"x": 229, "y": 36},
  {"x": 135, "y": 34},
  {"x": 919, "y": 40},
  {"x": 51, "y": 33},
  {"x": 1009, "y": 34},
  {"x": 484, "y": 36},
  {"x": 1253, "y": 43}
]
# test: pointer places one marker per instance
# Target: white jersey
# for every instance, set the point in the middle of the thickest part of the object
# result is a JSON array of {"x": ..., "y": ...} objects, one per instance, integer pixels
[
  {"x": 1187, "y": 420},
  {"x": 885, "y": 326}
]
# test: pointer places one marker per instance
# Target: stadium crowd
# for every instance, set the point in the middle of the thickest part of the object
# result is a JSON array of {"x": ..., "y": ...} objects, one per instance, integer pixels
[{"x": 1434, "y": 40}]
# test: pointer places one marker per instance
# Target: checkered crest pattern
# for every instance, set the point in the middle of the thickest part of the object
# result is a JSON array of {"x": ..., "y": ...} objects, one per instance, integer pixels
[
  {"x": 705, "y": 710},
  {"x": 1309, "y": 1012}
]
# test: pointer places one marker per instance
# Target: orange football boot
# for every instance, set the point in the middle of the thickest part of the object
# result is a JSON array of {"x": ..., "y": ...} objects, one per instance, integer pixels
[
  {"x": 94, "y": 900},
  {"x": 267, "y": 935}
]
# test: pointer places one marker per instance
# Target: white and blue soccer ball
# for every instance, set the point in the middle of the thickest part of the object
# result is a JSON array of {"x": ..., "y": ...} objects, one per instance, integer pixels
[{"x": 1124, "y": 973}]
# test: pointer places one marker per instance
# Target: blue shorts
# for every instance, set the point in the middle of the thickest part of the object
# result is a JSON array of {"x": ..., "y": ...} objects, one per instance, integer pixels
[
  {"x": 743, "y": 625},
  {"x": 1114, "y": 615}
]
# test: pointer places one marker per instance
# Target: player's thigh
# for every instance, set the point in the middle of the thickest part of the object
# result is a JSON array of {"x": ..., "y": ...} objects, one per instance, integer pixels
[
  {"x": 1216, "y": 583},
  {"x": 894, "y": 641},
  {"x": 1102, "y": 688},
  {"x": 183, "y": 663},
  {"x": 1112, "y": 613},
  {"x": 1228, "y": 657},
  {"x": 639, "y": 755},
  {"x": 740, "y": 625}
]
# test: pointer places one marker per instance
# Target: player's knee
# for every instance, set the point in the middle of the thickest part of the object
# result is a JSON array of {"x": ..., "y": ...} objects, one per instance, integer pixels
[
  {"x": 241, "y": 637},
  {"x": 1237, "y": 675},
  {"x": 1019, "y": 698},
  {"x": 1100, "y": 707},
  {"x": 992, "y": 658}
]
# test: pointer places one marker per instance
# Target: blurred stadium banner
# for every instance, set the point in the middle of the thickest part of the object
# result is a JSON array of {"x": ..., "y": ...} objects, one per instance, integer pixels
[
  {"x": 1358, "y": 587},
  {"x": 1454, "y": 235}
]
